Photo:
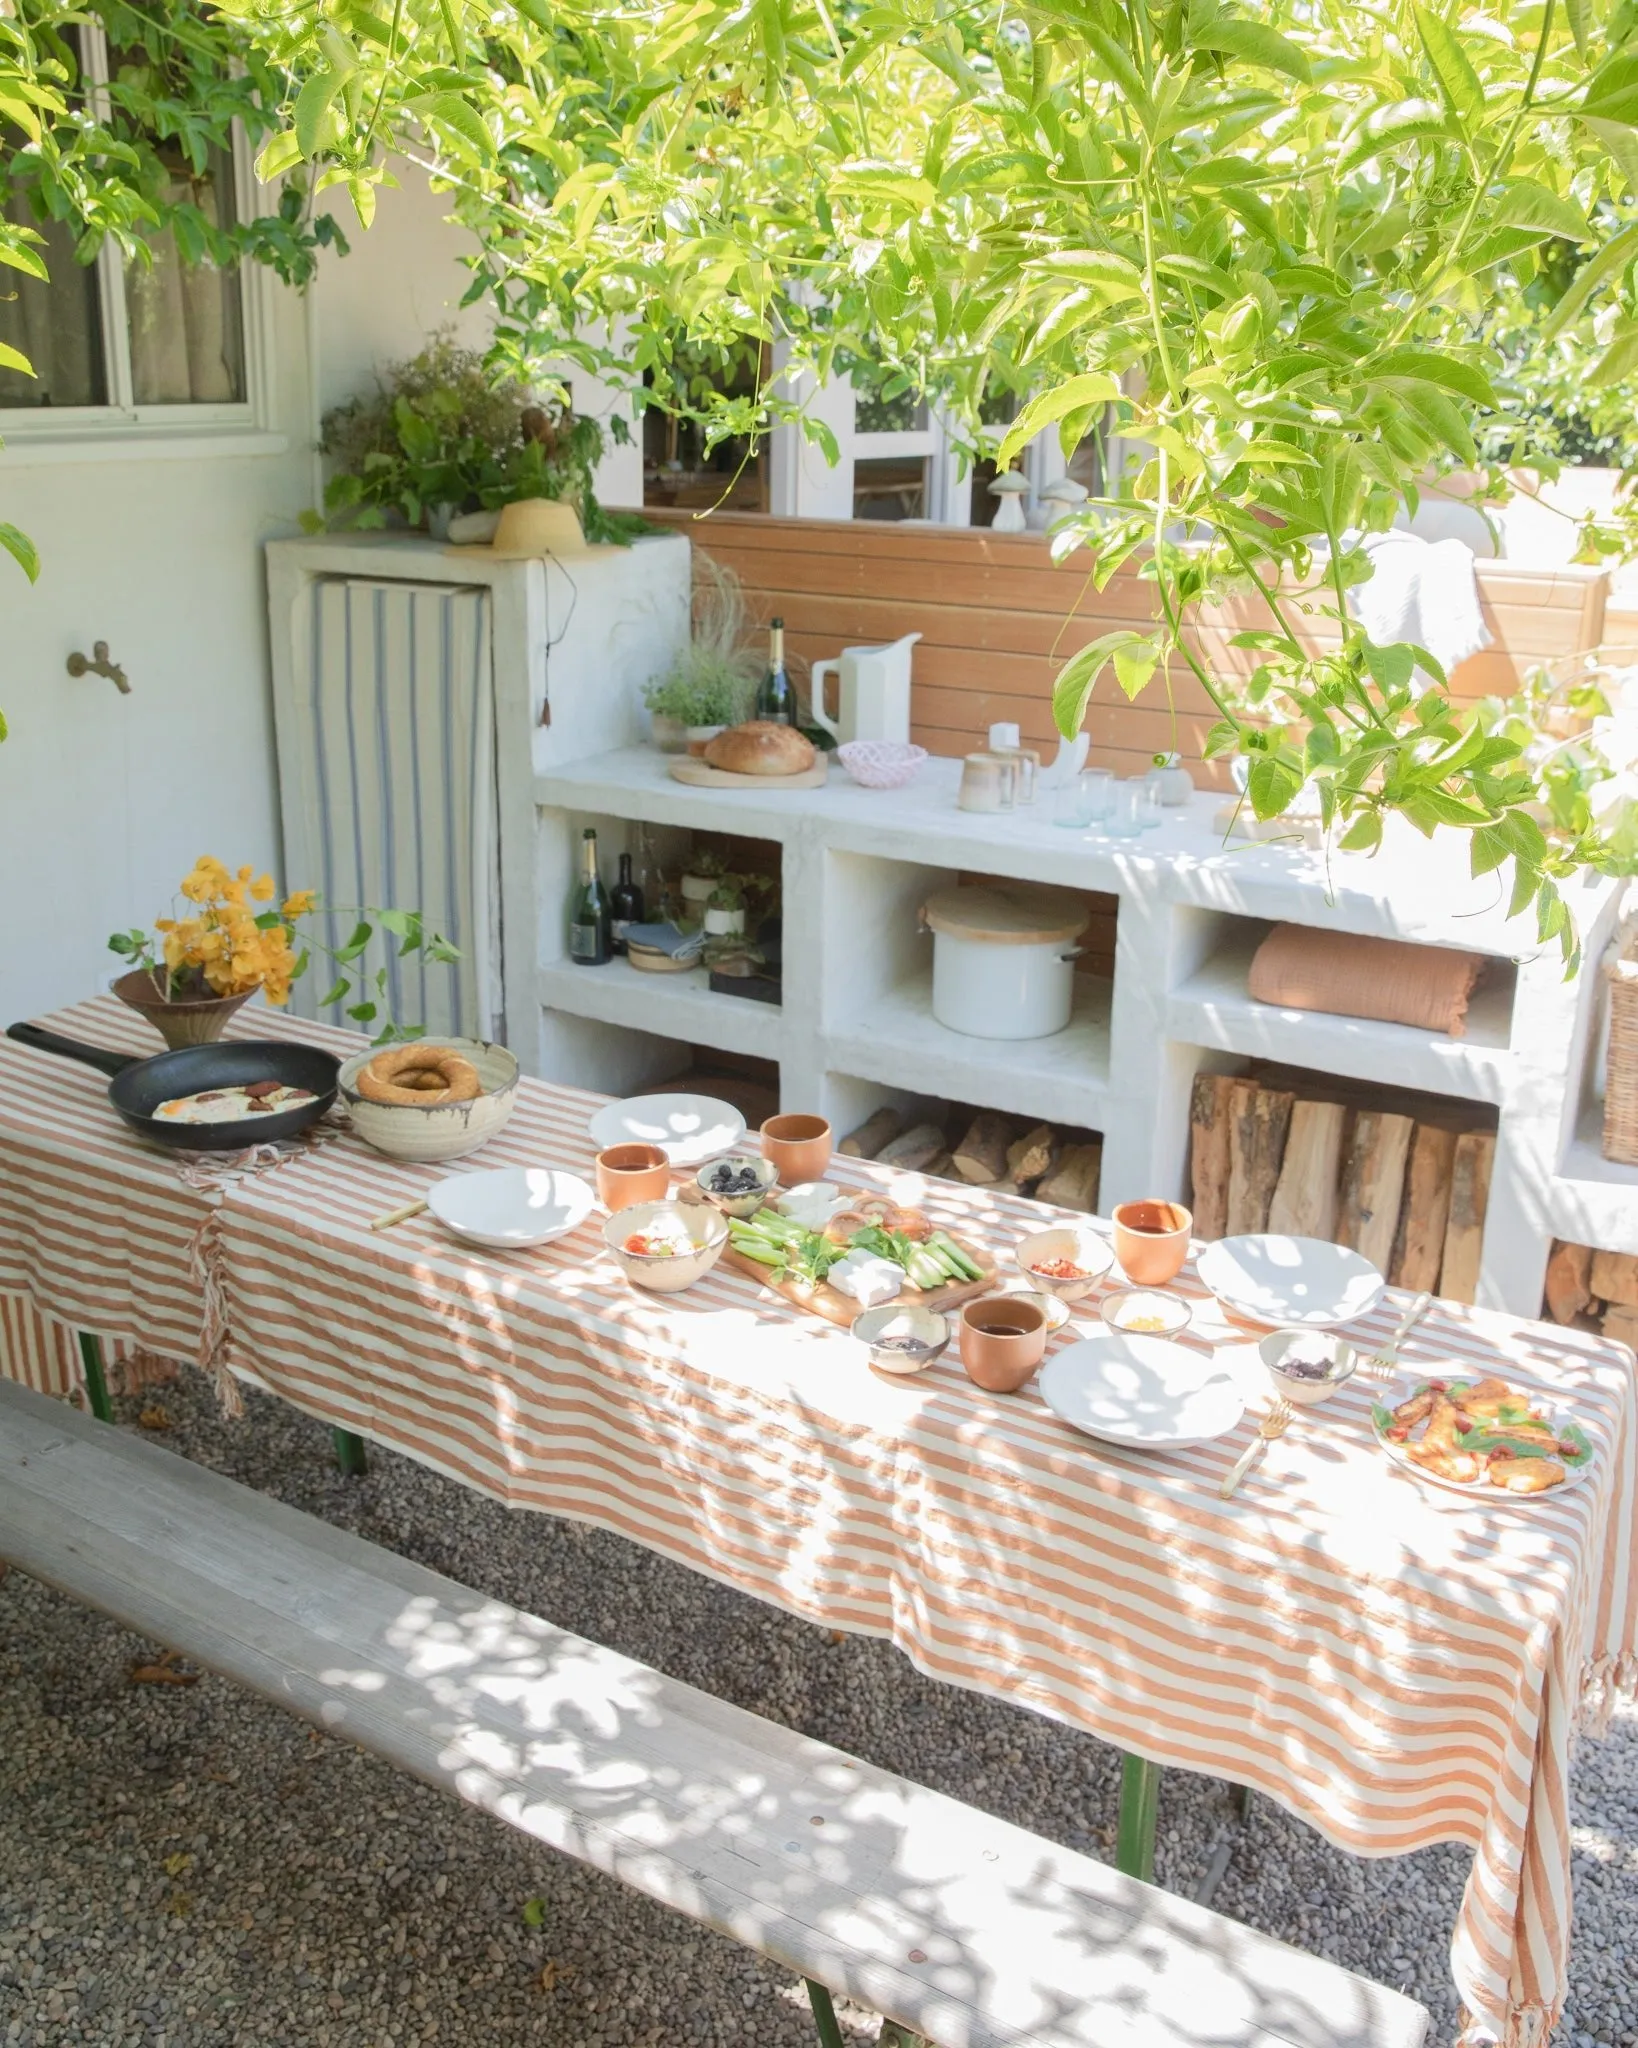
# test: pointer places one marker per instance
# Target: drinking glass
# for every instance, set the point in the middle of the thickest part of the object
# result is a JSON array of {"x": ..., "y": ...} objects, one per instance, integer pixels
[
  {"x": 1148, "y": 801},
  {"x": 1069, "y": 806},
  {"x": 1099, "y": 784},
  {"x": 1125, "y": 815}
]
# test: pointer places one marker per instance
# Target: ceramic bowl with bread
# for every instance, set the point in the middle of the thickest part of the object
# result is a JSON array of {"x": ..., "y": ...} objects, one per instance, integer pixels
[
  {"x": 430, "y": 1099},
  {"x": 762, "y": 746}
]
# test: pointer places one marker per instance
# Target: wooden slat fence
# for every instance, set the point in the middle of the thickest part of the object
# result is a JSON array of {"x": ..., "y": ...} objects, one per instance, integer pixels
[{"x": 998, "y": 619}]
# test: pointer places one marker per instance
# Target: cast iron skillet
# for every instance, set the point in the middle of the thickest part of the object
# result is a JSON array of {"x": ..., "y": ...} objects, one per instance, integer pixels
[{"x": 138, "y": 1087}]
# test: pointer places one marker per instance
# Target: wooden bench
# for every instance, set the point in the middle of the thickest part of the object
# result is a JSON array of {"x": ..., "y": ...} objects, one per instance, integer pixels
[{"x": 956, "y": 1925}]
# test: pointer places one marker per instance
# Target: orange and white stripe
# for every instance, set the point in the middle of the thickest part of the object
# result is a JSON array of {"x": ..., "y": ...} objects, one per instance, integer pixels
[{"x": 1396, "y": 1664}]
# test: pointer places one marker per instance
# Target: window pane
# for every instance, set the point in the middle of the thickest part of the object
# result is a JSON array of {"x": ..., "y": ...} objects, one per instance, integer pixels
[
  {"x": 187, "y": 319},
  {"x": 890, "y": 487},
  {"x": 58, "y": 326}
]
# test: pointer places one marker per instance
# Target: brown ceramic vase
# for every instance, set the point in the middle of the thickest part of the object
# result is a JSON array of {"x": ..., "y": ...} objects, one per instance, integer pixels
[{"x": 199, "y": 1022}]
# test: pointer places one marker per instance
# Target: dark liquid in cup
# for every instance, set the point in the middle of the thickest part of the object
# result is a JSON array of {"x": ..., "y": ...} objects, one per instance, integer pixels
[{"x": 1006, "y": 1330}]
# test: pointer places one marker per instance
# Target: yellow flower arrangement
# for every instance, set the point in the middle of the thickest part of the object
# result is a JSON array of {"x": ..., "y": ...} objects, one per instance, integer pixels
[{"x": 229, "y": 945}]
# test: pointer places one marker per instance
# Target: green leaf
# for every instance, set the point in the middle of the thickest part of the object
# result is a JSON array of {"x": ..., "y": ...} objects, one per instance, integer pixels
[
  {"x": 313, "y": 124},
  {"x": 1612, "y": 91},
  {"x": 1487, "y": 850},
  {"x": 453, "y": 113},
  {"x": 1433, "y": 366},
  {"x": 21, "y": 257},
  {"x": 1134, "y": 666},
  {"x": 1609, "y": 262},
  {"x": 534, "y": 1912},
  {"x": 1526, "y": 204},
  {"x": 1364, "y": 834},
  {"x": 1458, "y": 81},
  {"x": 1116, "y": 277},
  {"x": 334, "y": 993},
  {"x": 1390, "y": 668},
  {"x": 1253, "y": 43},
  {"x": 1072, "y": 692},
  {"x": 1441, "y": 415},
  {"x": 1271, "y": 785},
  {"x": 21, "y": 549},
  {"x": 354, "y": 946},
  {"x": 11, "y": 359},
  {"x": 1618, "y": 362},
  {"x": 1075, "y": 394},
  {"x": 362, "y": 1013}
]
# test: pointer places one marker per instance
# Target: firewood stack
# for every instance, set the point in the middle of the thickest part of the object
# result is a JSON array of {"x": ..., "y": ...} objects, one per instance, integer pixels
[
  {"x": 1408, "y": 1195},
  {"x": 984, "y": 1149},
  {"x": 1594, "y": 1289}
]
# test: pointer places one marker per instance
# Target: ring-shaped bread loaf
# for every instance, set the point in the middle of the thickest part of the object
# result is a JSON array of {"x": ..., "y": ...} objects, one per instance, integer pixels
[{"x": 424, "y": 1076}]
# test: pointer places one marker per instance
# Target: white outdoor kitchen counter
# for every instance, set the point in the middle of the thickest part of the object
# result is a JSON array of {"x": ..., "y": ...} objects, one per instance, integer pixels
[{"x": 856, "y": 1026}]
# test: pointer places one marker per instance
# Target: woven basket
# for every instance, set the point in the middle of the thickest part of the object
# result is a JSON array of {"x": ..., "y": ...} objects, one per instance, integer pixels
[{"x": 1621, "y": 1072}]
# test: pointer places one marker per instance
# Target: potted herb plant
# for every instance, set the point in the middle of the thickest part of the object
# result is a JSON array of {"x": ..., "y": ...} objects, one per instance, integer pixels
[{"x": 712, "y": 681}]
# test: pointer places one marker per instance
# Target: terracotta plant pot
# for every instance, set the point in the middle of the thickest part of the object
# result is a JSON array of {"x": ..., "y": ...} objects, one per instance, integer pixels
[
  {"x": 1152, "y": 1241},
  {"x": 629, "y": 1174},
  {"x": 1003, "y": 1340},
  {"x": 199, "y": 1022},
  {"x": 798, "y": 1147}
]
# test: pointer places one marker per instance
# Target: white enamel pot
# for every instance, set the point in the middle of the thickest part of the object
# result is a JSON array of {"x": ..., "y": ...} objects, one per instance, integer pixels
[{"x": 1004, "y": 959}]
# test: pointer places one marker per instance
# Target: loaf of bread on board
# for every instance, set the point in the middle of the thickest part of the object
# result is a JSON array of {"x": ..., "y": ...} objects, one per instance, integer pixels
[{"x": 762, "y": 747}]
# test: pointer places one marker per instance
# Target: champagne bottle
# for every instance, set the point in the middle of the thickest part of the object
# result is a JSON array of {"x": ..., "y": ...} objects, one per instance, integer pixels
[
  {"x": 590, "y": 937},
  {"x": 775, "y": 699},
  {"x": 625, "y": 905}
]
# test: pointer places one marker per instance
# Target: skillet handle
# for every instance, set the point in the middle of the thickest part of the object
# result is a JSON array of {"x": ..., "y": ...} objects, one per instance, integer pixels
[{"x": 71, "y": 1048}]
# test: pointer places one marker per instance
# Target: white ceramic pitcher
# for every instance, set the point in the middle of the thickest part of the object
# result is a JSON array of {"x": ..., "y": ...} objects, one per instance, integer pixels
[{"x": 873, "y": 692}]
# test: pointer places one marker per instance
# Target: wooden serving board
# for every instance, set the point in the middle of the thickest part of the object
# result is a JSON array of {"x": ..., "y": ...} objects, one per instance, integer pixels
[
  {"x": 684, "y": 768},
  {"x": 841, "y": 1309}
]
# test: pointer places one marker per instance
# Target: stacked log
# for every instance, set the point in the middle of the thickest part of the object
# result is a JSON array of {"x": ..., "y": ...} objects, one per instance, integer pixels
[
  {"x": 985, "y": 1149},
  {"x": 1593, "y": 1290},
  {"x": 1408, "y": 1194}
]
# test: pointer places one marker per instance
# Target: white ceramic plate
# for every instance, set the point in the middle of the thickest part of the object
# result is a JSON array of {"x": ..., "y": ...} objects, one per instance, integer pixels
[
  {"x": 689, "y": 1129},
  {"x": 512, "y": 1206},
  {"x": 1560, "y": 1418},
  {"x": 1145, "y": 1393},
  {"x": 1292, "y": 1282}
]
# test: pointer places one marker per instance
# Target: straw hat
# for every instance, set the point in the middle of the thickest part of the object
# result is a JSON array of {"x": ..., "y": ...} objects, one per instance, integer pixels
[{"x": 538, "y": 526}]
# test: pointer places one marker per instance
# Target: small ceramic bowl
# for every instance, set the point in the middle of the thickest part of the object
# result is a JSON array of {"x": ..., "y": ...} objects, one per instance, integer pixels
[
  {"x": 1307, "y": 1366},
  {"x": 434, "y": 1132},
  {"x": 881, "y": 764},
  {"x": 902, "y": 1340},
  {"x": 1079, "y": 1244},
  {"x": 797, "y": 1147},
  {"x": 1140, "y": 1312},
  {"x": 1003, "y": 1340},
  {"x": 665, "y": 1273},
  {"x": 1152, "y": 1241},
  {"x": 1057, "y": 1311},
  {"x": 628, "y": 1174},
  {"x": 738, "y": 1205}
]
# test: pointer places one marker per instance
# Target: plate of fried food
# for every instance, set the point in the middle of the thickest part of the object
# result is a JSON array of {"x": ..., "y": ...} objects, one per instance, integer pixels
[{"x": 1484, "y": 1436}]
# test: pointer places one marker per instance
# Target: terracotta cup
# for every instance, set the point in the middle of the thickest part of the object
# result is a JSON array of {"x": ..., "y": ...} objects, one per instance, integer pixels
[
  {"x": 797, "y": 1147},
  {"x": 1003, "y": 1340},
  {"x": 628, "y": 1174},
  {"x": 1152, "y": 1241}
]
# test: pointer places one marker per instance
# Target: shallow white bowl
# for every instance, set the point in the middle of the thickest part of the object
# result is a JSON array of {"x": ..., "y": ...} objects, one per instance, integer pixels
[
  {"x": 509, "y": 1207},
  {"x": 437, "y": 1131},
  {"x": 1291, "y": 1282},
  {"x": 1074, "y": 1241},
  {"x": 707, "y": 1227},
  {"x": 1306, "y": 1393},
  {"x": 689, "y": 1129},
  {"x": 1146, "y": 1393}
]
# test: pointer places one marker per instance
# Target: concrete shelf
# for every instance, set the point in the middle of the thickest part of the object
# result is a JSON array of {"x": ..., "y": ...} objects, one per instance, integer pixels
[
  {"x": 679, "y": 1006},
  {"x": 1212, "y": 1009}
]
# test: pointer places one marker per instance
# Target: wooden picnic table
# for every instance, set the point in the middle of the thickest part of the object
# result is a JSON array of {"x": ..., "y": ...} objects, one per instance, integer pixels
[{"x": 1396, "y": 1664}]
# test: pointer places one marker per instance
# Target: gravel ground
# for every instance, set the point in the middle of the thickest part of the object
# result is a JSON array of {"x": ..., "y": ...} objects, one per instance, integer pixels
[{"x": 185, "y": 1867}]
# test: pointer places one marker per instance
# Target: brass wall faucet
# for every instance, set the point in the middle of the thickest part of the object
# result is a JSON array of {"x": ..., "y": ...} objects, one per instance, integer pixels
[{"x": 99, "y": 665}]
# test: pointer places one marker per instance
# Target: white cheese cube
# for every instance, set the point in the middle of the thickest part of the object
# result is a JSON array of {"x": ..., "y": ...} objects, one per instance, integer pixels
[{"x": 867, "y": 1277}]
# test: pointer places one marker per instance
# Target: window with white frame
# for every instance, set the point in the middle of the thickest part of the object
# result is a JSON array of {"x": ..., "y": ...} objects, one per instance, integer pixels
[{"x": 162, "y": 343}]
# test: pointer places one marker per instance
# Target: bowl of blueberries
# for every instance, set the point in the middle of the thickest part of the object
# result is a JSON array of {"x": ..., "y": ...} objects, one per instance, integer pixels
[
  {"x": 1307, "y": 1366},
  {"x": 735, "y": 1185}
]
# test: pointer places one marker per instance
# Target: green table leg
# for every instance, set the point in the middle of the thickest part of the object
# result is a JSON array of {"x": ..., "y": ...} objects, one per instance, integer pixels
[
  {"x": 1135, "y": 1835},
  {"x": 350, "y": 1453},
  {"x": 824, "y": 2015},
  {"x": 96, "y": 1382}
]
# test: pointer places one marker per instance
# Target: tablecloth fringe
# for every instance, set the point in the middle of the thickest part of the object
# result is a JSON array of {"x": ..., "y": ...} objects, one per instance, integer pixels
[
  {"x": 215, "y": 1338},
  {"x": 1606, "y": 1683},
  {"x": 1528, "y": 2026}
]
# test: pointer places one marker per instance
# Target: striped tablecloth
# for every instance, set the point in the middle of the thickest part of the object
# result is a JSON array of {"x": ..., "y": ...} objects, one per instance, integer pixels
[{"x": 1394, "y": 1663}]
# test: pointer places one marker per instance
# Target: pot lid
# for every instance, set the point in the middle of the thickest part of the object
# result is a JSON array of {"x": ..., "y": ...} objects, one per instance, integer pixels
[{"x": 1008, "y": 914}]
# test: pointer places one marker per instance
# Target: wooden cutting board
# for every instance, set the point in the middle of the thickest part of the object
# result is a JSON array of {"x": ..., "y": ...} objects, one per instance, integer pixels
[
  {"x": 841, "y": 1309},
  {"x": 684, "y": 768}
]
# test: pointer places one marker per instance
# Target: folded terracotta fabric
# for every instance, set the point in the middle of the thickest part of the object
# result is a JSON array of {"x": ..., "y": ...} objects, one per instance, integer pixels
[{"x": 1349, "y": 975}]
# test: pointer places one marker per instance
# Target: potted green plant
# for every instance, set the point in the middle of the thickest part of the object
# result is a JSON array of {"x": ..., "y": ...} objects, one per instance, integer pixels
[
  {"x": 725, "y": 910},
  {"x": 712, "y": 681}
]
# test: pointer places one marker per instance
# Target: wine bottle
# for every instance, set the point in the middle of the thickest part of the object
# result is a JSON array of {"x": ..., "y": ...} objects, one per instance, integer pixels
[
  {"x": 625, "y": 905},
  {"x": 775, "y": 699},
  {"x": 589, "y": 916}
]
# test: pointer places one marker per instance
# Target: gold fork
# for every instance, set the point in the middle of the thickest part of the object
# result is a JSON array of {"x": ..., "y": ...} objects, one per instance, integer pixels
[
  {"x": 1273, "y": 1424},
  {"x": 1385, "y": 1363}
]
